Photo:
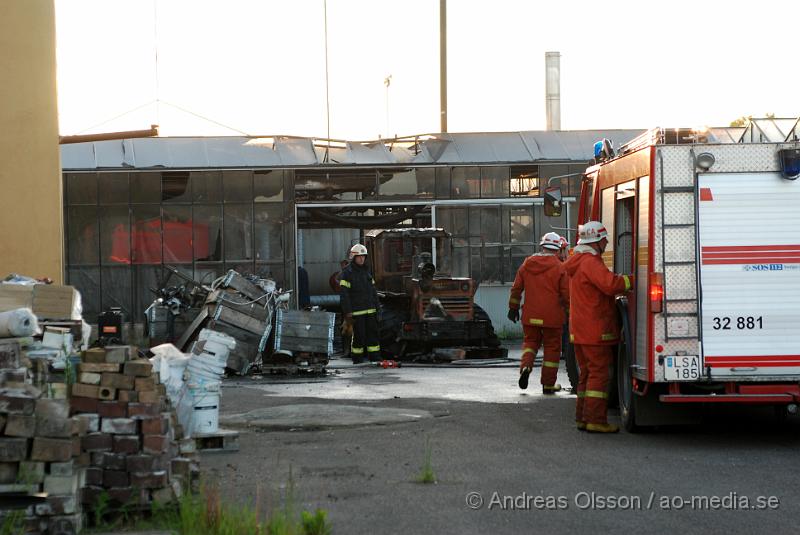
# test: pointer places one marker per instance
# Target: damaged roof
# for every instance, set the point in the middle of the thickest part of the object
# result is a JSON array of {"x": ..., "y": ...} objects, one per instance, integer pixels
[
  {"x": 409, "y": 233},
  {"x": 287, "y": 151}
]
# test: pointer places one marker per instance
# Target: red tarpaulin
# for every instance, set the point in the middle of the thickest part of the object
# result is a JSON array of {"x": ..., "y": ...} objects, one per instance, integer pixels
[{"x": 145, "y": 242}]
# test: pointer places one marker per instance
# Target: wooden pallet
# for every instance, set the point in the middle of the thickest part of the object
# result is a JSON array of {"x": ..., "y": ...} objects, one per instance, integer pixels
[{"x": 224, "y": 440}]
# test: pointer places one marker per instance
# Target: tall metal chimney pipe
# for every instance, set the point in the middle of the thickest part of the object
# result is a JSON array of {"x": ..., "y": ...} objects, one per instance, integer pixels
[
  {"x": 552, "y": 65},
  {"x": 443, "y": 64}
]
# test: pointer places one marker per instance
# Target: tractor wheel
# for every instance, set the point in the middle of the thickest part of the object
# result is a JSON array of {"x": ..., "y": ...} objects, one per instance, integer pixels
[
  {"x": 341, "y": 343},
  {"x": 480, "y": 314},
  {"x": 391, "y": 322}
]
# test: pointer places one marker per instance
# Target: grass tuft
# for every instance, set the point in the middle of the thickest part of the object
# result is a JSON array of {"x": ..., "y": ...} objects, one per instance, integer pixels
[
  {"x": 316, "y": 524},
  {"x": 13, "y": 523},
  {"x": 207, "y": 514},
  {"x": 426, "y": 474}
]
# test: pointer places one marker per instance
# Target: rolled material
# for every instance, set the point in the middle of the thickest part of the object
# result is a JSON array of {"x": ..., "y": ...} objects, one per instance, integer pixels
[{"x": 19, "y": 322}]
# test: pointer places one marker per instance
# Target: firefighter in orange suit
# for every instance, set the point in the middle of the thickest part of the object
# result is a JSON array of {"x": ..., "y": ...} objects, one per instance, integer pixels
[
  {"x": 546, "y": 288},
  {"x": 593, "y": 324}
]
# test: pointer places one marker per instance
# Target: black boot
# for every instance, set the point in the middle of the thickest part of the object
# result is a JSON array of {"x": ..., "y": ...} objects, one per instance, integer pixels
[{"x": 524, "y": 373}]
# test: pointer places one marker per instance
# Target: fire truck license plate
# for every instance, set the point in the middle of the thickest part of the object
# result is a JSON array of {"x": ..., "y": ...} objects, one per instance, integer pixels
[{"x": 682, "y": 368}]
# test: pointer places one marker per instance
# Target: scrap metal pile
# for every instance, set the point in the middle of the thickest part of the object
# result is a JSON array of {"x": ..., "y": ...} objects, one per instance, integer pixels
[{"x": 252, "y": 310}]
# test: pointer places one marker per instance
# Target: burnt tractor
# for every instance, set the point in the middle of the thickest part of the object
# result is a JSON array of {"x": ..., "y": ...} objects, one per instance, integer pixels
[{"x": 426, "y": 314}]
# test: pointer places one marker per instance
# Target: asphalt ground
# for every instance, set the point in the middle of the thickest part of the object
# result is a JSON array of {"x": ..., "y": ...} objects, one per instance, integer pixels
[{"x": 505, "y": 460}]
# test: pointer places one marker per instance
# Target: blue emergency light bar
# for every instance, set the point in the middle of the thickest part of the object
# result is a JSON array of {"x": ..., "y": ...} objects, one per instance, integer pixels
[
  {"x": 790, "y": 163},
  {"x": 603, "y": 150}
]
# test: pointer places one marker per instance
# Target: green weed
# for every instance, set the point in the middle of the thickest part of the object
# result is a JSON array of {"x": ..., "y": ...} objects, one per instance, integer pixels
[
  {"x": 426, "y": 474},
  {"x": 316, "y": 524},
  {"x": 26, "y": 474},
  {"x": 205, "y": 513},
  {"x": 101, "y": 507},
  {"x": 70, "y": 373},
  {"x": 13, "y": 523}
]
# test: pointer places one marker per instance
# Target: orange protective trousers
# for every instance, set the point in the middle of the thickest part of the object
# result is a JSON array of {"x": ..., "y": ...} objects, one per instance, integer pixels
[
  {"x": 594, "y": 362},
  {"x": 532, "y": 341}
]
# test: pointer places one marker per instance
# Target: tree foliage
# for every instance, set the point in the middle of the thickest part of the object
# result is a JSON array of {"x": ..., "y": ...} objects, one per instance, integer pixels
[{"x": 744, "y": 120}]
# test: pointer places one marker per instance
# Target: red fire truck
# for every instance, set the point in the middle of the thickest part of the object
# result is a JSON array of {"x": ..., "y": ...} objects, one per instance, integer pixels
[{"x": 711, "y": 232}]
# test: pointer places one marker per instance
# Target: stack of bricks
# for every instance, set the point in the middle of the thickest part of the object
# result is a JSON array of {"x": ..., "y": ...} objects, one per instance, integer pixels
[
  {"x": 40, "y": 446},
  {"x": 134, "y": 457}
]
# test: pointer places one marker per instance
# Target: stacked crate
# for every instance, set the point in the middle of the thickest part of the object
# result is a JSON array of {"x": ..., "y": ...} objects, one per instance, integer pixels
[
  {"x": 132, "y": 440},
  {"x": 40, "y": 446}
]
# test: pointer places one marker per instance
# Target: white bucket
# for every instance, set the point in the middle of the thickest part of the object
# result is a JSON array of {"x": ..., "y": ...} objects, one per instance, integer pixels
[
  {"x": 203, "y": 371},
  {"x": 205, "y": 417},
  {"x": 217, "y": 343}
]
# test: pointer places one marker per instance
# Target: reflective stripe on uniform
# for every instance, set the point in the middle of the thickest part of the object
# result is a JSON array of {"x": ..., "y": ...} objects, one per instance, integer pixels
[
  {"x": 608, "y": 336},
  {"x": 364, "y": 312},
  {"x": 548, "y": 364},
  {"x": 513, "y": 301},
  {"x": 356, "y": 350},
  {"x": 535, "y": 321},
  {"x": 571, "y": 337},
  {"x": 581, "y": 393},
  {"x": 528, "y": 350},
  {"x": 596, "y": 394},
  {"x": 627, "y": 282},
  {"x": 372, "y": 349},
  {"x": 344, "y": 283}
]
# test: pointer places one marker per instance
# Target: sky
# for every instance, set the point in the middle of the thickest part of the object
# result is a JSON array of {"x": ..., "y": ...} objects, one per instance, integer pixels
[{"x": 208, "y": 67}]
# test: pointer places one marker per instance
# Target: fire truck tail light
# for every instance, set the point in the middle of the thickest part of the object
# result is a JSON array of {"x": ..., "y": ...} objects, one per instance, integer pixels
[{"x": 656, "y": 292}]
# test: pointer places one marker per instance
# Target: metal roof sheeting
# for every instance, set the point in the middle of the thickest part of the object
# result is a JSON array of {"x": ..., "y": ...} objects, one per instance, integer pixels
[
  {"x": 727, "y": 134},
  {"x": 284, "y": 151},
  {"x": 771, "y": 130}
]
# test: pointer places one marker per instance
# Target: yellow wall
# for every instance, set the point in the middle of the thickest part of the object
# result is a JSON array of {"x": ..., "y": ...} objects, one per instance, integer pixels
[{"x": 31, "y": 224}]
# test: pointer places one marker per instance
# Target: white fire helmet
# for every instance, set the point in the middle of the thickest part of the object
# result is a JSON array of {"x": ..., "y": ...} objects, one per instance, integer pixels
[
  {"x": 551, "y": 240},
  {"x": 358, "y": 250},
  {"x": 591, "y": 232}
]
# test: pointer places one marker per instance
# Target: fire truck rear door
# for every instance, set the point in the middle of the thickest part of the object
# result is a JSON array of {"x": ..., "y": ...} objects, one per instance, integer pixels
[{"x": 749, "y": 228}]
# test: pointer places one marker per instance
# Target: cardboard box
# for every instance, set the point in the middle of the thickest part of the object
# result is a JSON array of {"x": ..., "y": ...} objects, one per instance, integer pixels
[
  {"x": 14, "y": 296},
  {"x": 51, "y": 301},
  {"x": 57, "y": 338},
  {"x": 48, "y": 301}
]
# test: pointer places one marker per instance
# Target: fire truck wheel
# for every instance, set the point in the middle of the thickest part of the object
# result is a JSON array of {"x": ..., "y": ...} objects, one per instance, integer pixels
[
  {"x": 624, "y": 384},
  {"x": 613, "y": 391}
]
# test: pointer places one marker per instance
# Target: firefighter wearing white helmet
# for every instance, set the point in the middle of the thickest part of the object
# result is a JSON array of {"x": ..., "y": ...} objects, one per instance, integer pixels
[
  {"x": 542, "y": 279},
  {"x": 359, "y": 301},
  {"x": 358, "y": 250},
  {"x": 593, "y": 324},
  {"x": 551, "y": 241},
  {"x": 592, "y": 232}
]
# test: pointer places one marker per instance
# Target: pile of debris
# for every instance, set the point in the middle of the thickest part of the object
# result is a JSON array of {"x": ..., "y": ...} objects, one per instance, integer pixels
[{"x": 254, "y": 312}]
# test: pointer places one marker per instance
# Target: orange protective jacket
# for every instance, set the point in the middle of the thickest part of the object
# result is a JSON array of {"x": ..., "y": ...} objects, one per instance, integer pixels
[
  {"x": 593, "y": 315},
  {"x": 546, "y": 288}
]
